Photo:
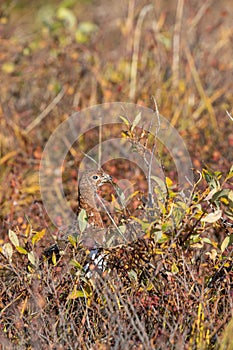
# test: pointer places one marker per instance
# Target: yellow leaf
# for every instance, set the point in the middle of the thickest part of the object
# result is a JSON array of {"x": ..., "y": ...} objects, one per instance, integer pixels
[
  {"x": 72, "y": 240},
  {"x": 225, "y": 243},
  {"x": 8, "y": 67},
  {"x": 224, "y": 200},
  {"x": 54, "y": 259},
  {"x": 169, "y": 182},
  {"x": 125, "y": 120},
  {"x": 21, "y": 250},
  {"x": 38, "y": 236},
  {"x": 175, "y": 269},
  {"x": 76, "y": 294}
]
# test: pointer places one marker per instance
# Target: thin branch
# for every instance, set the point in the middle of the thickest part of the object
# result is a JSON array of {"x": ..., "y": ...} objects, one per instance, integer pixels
[
  {"x": 46, "y": 111},
  {"x": 229, "y": 115},
  {"x": 110, "y": 216}
]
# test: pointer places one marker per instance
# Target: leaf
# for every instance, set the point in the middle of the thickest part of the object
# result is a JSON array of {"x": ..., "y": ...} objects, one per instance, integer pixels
[
  {"x": 84, "y": 31},
  {"x": 32, "y": 258},
  {"x": 133, "y": 275},
  {"x": 230, "y": 195},
  {"x": 169, "y": 182},
  {"x": 160, "y": 183},
  {"x": 77, "y": 294},
  {"x": 54, "y": 259},
  {"x": 13, "y": 238},
  {"x": 8, "y": 67},
  {"x": 76, "y": 264},
  {"x": 225, "y": 243},
  {"x": 21, "y": 250},
  {"x": 122, "y": 228},
  {"x": 144, "y": 225},
  {"x": 125, "y": 120},
  {"x": 211, "y": 193},
  {"x": 206, "y": 240},
  {"x": 136, "y": 121},
  {"x": 38, "y": 236},
  {"x": 82, "y": 220},
  {"x": 7, "y": 250},
  {"x": 220, "y": 194},
  {"x": 175, "y": 268},
  {"x": 72, "y": 240},
  {"x": 213, "y": 254},
  {"x": 212, "y": 217},
  {"x": 230, "y": 174},
  {"x": 67, "y": 16}
]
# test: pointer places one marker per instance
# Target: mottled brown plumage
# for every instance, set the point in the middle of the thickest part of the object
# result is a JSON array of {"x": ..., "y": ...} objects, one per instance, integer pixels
[{"x": 88, "y": 186}]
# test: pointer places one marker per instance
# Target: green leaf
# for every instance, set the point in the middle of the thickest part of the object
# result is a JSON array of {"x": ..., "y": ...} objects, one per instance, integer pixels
[
  {"x": 72, "y": 240},
  {"x": 219, "y": 194},
  {"x": 32, "y": 258},
  {"x": 133, "y": 275},
  {"x": 206, "y": 240},
  {"x": 38, "y": 236},
  {"x": 144, "y": 225},
  {"x": 122, "y": 228},
  {"x": 230, "y": 195},
  {"x": 76, "y": 264},
  {"x": 225, "y": 243},
  {"x": 230, "y": 174},
  {"x": 82, "y": 220},
  {"x": 13, "y": 238},
  {"x": 160, "y": 183}
]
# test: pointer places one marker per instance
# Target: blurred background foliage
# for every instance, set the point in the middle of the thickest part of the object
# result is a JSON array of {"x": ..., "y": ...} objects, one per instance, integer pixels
[{"x": 58, "y": 57}]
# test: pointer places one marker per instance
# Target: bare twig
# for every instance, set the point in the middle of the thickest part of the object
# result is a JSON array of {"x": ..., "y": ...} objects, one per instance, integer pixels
[
  {"x": 155, "y": 114},
  {"x": 229, "y": 115},
  {"x": 200, "y": 13},
  {"x": 110, "y": 217},
  {"x": 205, "y": 99},
  {"x": 45, "y": 112}
]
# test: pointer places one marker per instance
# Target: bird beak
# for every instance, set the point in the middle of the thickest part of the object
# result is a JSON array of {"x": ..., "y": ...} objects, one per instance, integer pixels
[{"x": 107, "y": 178}]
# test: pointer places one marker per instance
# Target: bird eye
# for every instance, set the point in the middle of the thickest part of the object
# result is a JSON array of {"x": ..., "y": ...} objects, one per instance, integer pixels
[{"x": 95, "y": 177}]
